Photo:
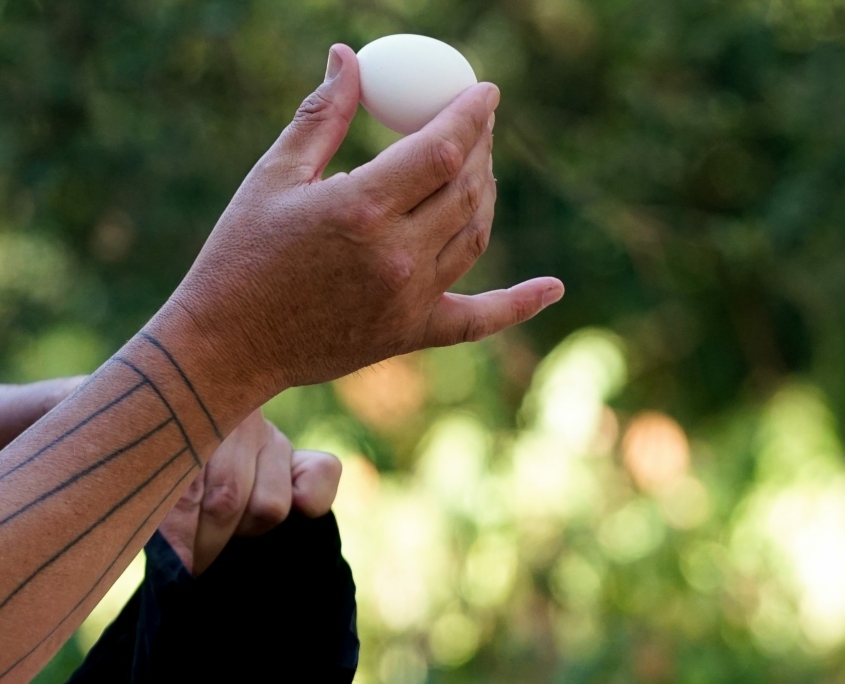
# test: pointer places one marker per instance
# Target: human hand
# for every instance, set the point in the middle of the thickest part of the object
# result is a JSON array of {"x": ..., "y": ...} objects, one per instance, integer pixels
[
  {"x": 248, "y": 487},
  {"x": 23, "y": 405},
  {"x": 304, "y": 280}
]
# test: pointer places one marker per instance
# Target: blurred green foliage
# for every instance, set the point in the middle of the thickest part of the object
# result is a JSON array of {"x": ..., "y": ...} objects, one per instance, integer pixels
[{"x": 661, "y": 499}]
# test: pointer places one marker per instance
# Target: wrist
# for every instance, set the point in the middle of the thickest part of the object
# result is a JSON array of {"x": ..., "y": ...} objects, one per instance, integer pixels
[{"x": 214, "y": 360}]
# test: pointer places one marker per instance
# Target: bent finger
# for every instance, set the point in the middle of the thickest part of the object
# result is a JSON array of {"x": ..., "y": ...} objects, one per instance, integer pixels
[
  {"x": 316, "y": 475},
  {"x": 464, "y": 249},
  {"x": 229, "y": 476},
  {"x": 417, "y": 166},
  {"x": 270, "y": 500},
  {"x": 23, "y": 405},
  {"x": 180, "y": 525},
  {"x": 452, "y": 207}
]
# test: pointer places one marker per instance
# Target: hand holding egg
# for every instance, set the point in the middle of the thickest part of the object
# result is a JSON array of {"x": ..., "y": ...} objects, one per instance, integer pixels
[{"x": 325, "y": 276}]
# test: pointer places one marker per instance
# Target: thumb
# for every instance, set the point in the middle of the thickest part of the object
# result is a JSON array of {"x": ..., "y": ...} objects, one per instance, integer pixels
[
  {"x": 320, "y": 124},
  {"x": 463, "y": 318}
]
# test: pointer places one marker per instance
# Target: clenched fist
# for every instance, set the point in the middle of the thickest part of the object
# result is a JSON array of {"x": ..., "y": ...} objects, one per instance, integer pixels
[{"x": 249, "y": 486}]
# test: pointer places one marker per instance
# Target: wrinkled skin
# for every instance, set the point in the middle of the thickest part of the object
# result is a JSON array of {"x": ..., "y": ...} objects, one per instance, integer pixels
[{"x": 318, "y": 278}]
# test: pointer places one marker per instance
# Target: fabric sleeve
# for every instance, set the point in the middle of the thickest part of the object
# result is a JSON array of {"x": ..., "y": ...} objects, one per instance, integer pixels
[{"x": 279, "y": 608}]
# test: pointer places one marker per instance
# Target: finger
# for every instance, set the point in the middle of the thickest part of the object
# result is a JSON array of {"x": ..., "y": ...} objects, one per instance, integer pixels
[
  {"x": 179, "y": 528},
  {"x": 316, "y": 476},
  {"x": 229, "y": 477},
  {"x": 452, "y": 207},
  {"x": 417, "y": 166},
  {"x": 464, "y": 249},
  {"x": 270, "y": 500},
  {"x": 463, "y": 318},
  {"x": 320, "y": 124}
]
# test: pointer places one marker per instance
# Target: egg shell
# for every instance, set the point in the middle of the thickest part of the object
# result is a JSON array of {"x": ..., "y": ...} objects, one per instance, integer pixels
[{"x": 407, "y": 80}]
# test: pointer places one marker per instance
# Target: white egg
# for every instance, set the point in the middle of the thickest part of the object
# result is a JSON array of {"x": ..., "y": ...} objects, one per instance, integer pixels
[{"x": 407, "y": 80}]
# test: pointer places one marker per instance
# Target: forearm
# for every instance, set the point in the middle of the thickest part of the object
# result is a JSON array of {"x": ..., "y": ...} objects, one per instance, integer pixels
[
  {"x": 83, "y": 489},
  {"x": 305, "y": 280}
]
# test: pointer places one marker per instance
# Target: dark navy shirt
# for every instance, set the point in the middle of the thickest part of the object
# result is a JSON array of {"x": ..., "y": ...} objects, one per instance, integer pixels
[{"x": 274, "y": 608}]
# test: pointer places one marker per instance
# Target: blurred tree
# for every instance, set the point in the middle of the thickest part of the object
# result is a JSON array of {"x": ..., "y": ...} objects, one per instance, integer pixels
[{"x": 679, "y": 164}]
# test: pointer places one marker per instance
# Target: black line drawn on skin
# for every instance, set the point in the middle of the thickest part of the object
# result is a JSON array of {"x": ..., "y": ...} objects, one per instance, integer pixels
[
  {"x": 52, "y": 559},
  {"x": 152, "y": 340},
  {"x": 99, "y": 579},
  {"x": 120, "y": 359},
  {"x": 86, "y": 471},
  {"x": 145, "y": 381},
  {"x": 79, "y": 425}
]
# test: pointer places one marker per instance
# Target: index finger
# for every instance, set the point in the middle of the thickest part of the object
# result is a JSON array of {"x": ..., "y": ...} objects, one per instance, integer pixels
[{"x": 417, "y": 166}]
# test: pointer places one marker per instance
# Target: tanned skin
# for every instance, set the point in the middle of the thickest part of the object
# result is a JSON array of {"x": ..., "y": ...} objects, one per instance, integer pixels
[{"x": 303, "y": 280}]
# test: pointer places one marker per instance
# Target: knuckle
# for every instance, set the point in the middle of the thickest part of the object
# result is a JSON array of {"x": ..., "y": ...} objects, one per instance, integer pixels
[
  {"x": 361, "y": 214},
  {"x": 395, "y": 272},
  {"x": 446, "y": 159},
  {"x": 190, "y": 502},
  {"x": 328, "y": 466},
  {"x": 369, "y": 212},
  {"x": 476, "y": 328},
  {"x": 192, "y": 498},
  {"x": 280, "y": 439},
  {"x": 520, "y": 311},
  {"x": 471, "y": 189},
  {"x": 314, "y": 109},
  {"x": 270, "y": 511},
  {"x": 223, "y": 502},
  {"x": 271, "y": 165},
  {"x": 479, "y": 238}
]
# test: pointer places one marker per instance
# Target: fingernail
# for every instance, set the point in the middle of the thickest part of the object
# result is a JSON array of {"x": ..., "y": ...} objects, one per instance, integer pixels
[
  {"x": 491, "y": 164},
  {"x": 550, "y": 296},
  {"x": 491, "y": 121},
  {"x": 334, "y": 66},
  {"x": 493, "y": 97}
]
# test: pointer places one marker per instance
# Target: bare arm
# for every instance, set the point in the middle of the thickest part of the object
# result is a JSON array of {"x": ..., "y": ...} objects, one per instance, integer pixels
[
  {"x": 303, "y": 280},
  {"x": 249, "y": 485},
  {"x": 82, "y": 492}
]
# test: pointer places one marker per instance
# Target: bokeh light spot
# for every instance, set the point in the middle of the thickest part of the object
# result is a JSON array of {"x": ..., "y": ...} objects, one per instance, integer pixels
[
  {"x": 490, "y": 570},
  {"x": 656, "y": 451},
  {"x": 385, "y": 395},
  {"x": 453, "y": 639},
  {"x": 453, "y": 460},
  {"x": 575, "y": 582},
  {"x": 685, "y": 503},
  {"x": 632, "y": 532},
  {"x": 402, "y": 664}
]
